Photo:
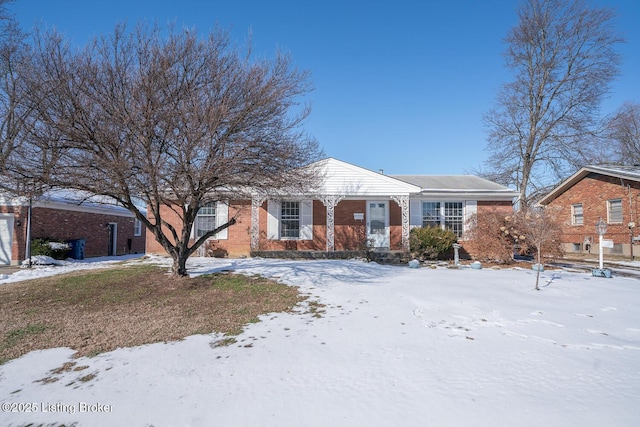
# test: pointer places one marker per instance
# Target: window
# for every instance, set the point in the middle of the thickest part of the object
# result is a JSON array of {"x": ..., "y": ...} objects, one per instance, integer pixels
[
  {"x": 576, "y": 214},
  {"x": 377, "y": 218},
  {"x": 431, "y": 214},
  {"x": 453, "y": 217},
  {"x": 205, "y": 220},
  {"x": 137, "y": 227},
  {"x": 290, "y": 220},
  {"x": 614, "y": 211},
  {"x": 446, "y": 215}
]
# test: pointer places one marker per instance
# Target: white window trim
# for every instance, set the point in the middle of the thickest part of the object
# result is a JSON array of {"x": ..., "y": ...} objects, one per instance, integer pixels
[
  {"x": 222, "y": 216},
  {"x": 442, "y": 216},
  {"x": 440, "y": 211},
  {"x": 292, "y": 220},
  {"x": 573, "y": 214},
  {"x": 469, "y": 208},
  {"x": 462, "y": 216},
  {"x": 137, "y": 227},
  {"x": 306, "y": 220},
  {"x": 609, "y": 220}
]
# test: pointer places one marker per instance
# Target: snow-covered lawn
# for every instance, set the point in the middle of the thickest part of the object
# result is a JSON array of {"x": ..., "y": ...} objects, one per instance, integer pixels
[{"x": 395, "y": 347}]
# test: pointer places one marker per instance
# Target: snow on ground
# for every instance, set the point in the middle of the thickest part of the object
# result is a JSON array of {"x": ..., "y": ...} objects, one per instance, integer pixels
[
  {"x": 396, "y": 346},
  {"x": 41, "y": 269}
]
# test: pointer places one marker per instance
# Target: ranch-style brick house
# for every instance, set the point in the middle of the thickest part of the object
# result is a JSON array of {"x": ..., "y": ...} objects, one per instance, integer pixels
[
  {"x": 610, "y": 192},
  {"x": 353, "y": 208},
  {"x": 105, "y": 229}
]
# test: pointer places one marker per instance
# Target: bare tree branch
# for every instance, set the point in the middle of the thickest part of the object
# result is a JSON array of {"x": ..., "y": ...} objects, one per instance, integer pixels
[
  {"x": 623, "y": 134},
  {"x": 563, "y": 55},
  {"x": 176, "y": 121}
]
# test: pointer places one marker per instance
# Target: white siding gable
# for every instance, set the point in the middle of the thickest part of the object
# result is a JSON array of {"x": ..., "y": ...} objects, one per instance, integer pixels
[{"x": 349, "y": 180}]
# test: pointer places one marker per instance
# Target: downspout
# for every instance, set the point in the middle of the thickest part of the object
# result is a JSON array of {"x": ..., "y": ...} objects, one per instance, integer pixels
[
  {"x": 631, "y": 224},
  {"x": 27, "y": 249}
]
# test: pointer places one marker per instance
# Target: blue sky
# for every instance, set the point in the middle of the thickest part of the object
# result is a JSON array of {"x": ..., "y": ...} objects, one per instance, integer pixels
[{"x": 399, "y": 85}]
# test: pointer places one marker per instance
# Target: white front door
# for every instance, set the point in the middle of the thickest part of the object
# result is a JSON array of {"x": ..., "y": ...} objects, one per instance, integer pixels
[
  {"x": 6, "y": 239},
  {"x": 378, "y": 224}
]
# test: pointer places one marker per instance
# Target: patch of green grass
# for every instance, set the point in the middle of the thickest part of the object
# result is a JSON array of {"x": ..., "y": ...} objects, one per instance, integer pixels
[
  {"x": 100, "y": 310},
  {"x": 15, "y": 335},
  {"x": 109, "y": 286}
]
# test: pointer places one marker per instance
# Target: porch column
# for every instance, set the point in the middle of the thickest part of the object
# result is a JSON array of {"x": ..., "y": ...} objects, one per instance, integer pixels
[
  {"x": 403, "y": 202},
  {"x": 256, "y": 202},
  {"x": 330, "y": 203}
]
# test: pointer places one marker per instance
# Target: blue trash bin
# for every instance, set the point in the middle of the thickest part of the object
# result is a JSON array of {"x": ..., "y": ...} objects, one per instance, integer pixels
[{"x": 77, "y": 248}]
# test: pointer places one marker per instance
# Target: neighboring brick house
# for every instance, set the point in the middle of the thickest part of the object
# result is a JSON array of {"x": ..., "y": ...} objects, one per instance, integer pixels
[
  {"x": 609, "y": 192},
  {"x": 353, "y": 207},
  {"x": 106, "y": 229}
]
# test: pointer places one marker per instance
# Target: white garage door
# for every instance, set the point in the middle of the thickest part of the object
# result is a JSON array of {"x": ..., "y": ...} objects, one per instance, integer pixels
[{"x": 6, "y": 231}]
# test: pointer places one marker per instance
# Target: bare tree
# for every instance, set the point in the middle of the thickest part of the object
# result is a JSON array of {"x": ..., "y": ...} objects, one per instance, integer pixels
[
  {"x": 13, "y": 113},
  {"x": 623, "y": 131},
  {"x": 563, "y": 55},
  {"x": 174, "y": 120},
  {"x": 541, "y": 229},
  {"x": 492, "y": 236}
]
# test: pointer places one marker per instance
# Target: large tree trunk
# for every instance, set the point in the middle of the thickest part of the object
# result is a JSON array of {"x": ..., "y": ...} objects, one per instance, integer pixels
[{"x": 179, "y": 266}]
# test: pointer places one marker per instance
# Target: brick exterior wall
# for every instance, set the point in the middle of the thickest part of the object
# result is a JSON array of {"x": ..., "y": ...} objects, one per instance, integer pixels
[
  {"x": 318, "y": 243},
  {"x": 593, "y": 192},
  {"x": 237, "y": 244},
  {"x": 350, "y": 234},
  {"x": 484, "y": 207},
  {"x": 395, "y": 225},
  {"x": 488, "y": 206},
  {"x": 62, "y": 224}
]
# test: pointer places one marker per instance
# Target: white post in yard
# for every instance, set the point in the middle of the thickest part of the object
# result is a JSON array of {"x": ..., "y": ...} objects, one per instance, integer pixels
[
  {"x": 600, "y": 256},
  {"x": 601, "y": 229}
]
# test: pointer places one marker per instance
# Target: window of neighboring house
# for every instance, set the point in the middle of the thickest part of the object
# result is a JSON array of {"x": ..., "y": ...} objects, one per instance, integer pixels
[
  {"x": 205, "y": 219},
  {"x": 576, "y": 214},
  {"x": 614, "y": 211},
  {"x": 617, "y": 248},
  {"x": 137, "y": 227},
  {"x": 446, "y": 215},
  {"x": 431, "y": 214},
  {"x": 290, "y": 220}
]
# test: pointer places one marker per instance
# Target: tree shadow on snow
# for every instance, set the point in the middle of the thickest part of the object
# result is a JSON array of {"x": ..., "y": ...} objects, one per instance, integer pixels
[{"x": 313, "y": 272}]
